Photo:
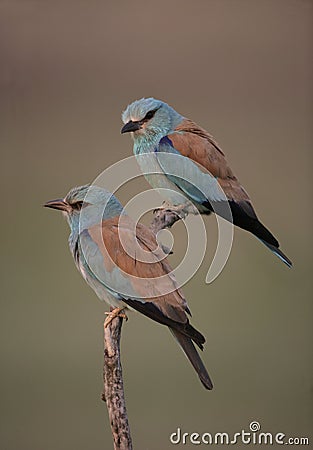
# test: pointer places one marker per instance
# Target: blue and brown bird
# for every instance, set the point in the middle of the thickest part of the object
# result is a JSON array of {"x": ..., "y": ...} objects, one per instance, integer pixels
[
  {"x": 122, "y": 262},
  {"x": 158, "y": 130}
]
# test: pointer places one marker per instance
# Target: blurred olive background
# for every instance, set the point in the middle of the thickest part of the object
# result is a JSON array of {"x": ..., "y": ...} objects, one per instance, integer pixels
[{"x": 243, "y": 70}]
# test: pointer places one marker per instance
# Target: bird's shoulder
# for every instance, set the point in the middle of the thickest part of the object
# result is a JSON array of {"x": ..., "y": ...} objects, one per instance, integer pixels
[{"x": 197, "y": 144}]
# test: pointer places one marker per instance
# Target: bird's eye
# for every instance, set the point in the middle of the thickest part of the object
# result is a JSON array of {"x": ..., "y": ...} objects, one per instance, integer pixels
[
  {"x": 150, "y": 114},
  {"x": 77, "y": 205}
]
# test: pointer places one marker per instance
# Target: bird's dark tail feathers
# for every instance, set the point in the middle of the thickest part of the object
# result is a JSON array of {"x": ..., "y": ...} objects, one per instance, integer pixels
[
  {"x": 278, "y": 253},
  {"x": 190, "y": 351},
  {"x": 265, "y": 236},
  {"x": 244, "y": 216}
]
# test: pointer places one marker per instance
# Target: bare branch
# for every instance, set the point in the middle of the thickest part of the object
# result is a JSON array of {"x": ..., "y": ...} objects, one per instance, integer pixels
[{"x": 113, "y": 391}]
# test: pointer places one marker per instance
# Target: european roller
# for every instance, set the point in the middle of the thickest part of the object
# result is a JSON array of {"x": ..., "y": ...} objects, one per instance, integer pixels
[
  {"x": 122, "y": 262},
  {"x": 201, "y": 173}
]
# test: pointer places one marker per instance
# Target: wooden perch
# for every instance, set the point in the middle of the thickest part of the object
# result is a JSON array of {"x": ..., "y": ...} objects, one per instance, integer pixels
[{"x": 113, "y": 390}]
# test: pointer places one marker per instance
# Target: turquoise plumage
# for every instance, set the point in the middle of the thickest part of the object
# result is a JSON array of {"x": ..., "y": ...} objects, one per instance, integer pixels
[{"x": 189, "y": 162}]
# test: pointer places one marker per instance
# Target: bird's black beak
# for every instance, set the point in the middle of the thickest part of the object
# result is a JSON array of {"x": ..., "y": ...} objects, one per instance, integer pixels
[
  {"x": 57, "y": 204},
  {"x": 130, "y": 126}
]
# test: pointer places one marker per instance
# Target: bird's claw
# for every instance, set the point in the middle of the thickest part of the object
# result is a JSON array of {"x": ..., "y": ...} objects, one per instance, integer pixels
[
  {"x": 180, "y": 210},
  {"x": 117, "y": 312}
]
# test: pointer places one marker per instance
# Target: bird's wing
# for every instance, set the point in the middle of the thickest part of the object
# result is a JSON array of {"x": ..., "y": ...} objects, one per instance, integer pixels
[
  {"x": 195, "y": 143},
  {"x": 127, "y": 261},
  {"x": 203, "y": 162},
  {"x": 117, "y": 245}
]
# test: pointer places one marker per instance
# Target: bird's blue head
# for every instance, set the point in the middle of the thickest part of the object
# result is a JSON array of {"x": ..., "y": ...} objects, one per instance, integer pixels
[
  {"x": 149, "y": 120},
  {"x": 87, "y": 205}
]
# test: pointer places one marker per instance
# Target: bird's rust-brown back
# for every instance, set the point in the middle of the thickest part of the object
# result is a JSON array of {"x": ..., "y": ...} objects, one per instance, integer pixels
[
  {"x": 197, "y": 144},
  {"x": 121, "y": 244}
]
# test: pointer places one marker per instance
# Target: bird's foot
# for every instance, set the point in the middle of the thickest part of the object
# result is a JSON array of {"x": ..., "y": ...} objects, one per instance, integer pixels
[
  {"x": 180, "y": 210},
  {"x": 166, "y": 215},
  {"x": 116, "y": 312}
]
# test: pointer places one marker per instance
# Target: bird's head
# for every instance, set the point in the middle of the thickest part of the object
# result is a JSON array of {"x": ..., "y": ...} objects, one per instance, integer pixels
[
  {"x": 87, "y": 203},
  {"x": 149, "y": 118}
]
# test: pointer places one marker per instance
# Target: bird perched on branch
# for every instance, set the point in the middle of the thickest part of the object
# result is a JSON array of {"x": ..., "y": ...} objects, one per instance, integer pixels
[
  {"x": 124, "y": 265},
  {"x": 190, "y": 162}
]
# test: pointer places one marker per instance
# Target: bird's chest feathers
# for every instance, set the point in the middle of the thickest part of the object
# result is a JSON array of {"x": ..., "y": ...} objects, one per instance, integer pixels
[
  {"x": 152, "y": 171},
  {"x": 104, "y": 293}
]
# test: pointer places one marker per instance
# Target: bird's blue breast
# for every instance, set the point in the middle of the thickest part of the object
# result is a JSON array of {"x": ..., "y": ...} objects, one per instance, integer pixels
[{"x": 165, "y": 141}]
